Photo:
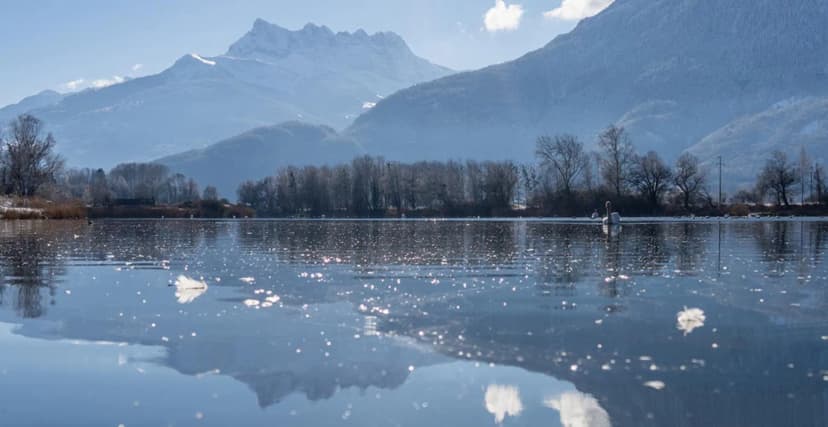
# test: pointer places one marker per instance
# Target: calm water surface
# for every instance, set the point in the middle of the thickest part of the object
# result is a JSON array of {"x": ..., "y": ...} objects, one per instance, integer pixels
[{"x": 325, "y": 323}]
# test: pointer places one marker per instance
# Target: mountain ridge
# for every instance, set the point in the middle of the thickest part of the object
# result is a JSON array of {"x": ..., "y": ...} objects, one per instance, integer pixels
[
  {"x": 671, "y": 71},
  {"x": 202, "y": 99}
]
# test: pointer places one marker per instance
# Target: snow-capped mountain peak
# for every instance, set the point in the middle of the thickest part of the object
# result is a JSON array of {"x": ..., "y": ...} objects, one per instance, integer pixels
[
  {"x": 268, "y": 76},
  {"x": 270, "y": 41}
]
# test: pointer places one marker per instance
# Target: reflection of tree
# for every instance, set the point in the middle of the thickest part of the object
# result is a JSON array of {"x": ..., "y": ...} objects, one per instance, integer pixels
[
  {"x": 379, "y": 243},
  {"x": 774, "y": 242},
  {"x": 565, "y": 259},
  {"x": 29, "y": 260},
  {"x": 691, "y": 246},
  {"x": 650, "y": 249}
]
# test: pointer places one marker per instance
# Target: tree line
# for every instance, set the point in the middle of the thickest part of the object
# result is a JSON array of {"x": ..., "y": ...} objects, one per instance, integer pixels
[
  {"x": 373, "y": 186},
  {"x": 566, "y": 179},
  {"x": 30, "y": 167}
]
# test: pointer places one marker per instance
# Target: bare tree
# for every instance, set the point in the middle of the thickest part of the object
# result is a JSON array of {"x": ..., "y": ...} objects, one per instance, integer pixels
[
  {"x": 779, "y": 177},
  {"x": 501, "y": 178},
  {"x": 28, "y": 159},
  {"x": 690, "y": 179},
  {"x": 145, "y": 181},
  {"x": 804, "y": 168},
  {"x": 651, "y": 176},
  {"x": 617, "y": 158},
  {"x": 210, "y": 193},
  {"x": 99, "y": 188},
  {"x": 248, "y": 194},
  {"x": 565, "y": 156},
  {"x": 530, "y": 181},
  {"x": 819, "y": 183}
]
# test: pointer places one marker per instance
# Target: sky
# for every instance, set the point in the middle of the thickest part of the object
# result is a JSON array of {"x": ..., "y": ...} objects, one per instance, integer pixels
[{"x": 68, "y": 45}]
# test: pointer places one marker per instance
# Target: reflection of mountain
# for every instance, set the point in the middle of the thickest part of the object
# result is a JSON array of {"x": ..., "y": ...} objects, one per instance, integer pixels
[
  {"x": 612, "y": 360},
  {"x": 564, "y": 301}
]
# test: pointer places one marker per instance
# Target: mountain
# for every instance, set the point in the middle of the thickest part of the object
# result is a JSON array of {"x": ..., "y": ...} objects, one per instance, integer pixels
[
  {"x": 746, "y": 142},
  {"x": 269, "y": 76},
  {"x": 43, "y": 99},
  {"x": 671, "y": 71},
  {"x": 258, "y": 153}
]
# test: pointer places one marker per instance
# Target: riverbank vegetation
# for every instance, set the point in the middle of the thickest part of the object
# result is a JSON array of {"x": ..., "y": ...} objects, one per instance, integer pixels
[
  {"x": 565, "y": 180},
  {"x": 35, "y": 184}
]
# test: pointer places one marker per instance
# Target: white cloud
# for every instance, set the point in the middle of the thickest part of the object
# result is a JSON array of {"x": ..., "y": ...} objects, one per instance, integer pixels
[
  {"x": 74, "y": 84},
  {"x": 503, "y": 17},
  {"x": 575, "y": 10},
  {"x": 503, "y": 400},
  {"x": 137, "y": 67},
  {"x": 102, "y": 83},
  {"x": 577, "y": 409}
]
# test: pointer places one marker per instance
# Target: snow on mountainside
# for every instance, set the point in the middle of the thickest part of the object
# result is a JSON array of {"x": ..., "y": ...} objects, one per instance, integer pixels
[
  {"x": 672, "y": 71},
  {"x": 270, "y": 75},
  {"x": 258, "y": 153},
  {"x": 748, "y": 141}
]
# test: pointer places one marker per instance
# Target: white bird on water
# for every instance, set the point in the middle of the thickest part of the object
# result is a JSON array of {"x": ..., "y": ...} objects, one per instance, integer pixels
[{"x": 612, "y": 218}]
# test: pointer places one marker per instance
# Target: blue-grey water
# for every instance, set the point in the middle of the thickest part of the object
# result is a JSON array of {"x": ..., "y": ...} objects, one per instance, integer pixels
[{"x": 418, "y": 323}]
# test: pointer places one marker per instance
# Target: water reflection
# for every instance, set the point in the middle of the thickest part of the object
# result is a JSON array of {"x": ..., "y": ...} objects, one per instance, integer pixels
[
  {"x": 502, "y": 401},
  {"x": 579, "y": 410},
  {"x": 366, "y": 306},
  {"x": 31, "y": 267}
]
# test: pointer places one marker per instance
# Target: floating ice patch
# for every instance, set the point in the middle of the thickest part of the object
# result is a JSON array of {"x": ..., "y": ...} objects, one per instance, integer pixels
[
  {"x": 247, "y": 280},
  {"x": 689, "y": 319},
  {"x": 188, "y": 289},
  {"x": 655, "y": 385},
  {"x": 252, "y": 302}
]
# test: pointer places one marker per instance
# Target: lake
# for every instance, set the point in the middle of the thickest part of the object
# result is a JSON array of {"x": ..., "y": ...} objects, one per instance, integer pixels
[{"x": 413, "y": 323}]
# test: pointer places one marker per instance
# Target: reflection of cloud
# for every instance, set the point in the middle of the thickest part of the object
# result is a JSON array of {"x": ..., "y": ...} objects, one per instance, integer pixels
[
  {"x": 503, "y": 400},
  {"x": 188, "y": 289},
  {"x": 577, "y": 409},
  {"x": 689, "y": 319}
]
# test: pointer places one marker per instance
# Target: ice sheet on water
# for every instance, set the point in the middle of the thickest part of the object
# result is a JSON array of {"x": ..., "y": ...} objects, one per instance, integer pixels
[
  {"x": 689, "y": 319},
  {"x": 188, "y": 289}
]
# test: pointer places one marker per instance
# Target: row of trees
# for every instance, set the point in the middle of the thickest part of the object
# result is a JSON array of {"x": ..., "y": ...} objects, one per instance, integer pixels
[
  {"x": 782, "y": 180},
  {"x": 133, "y": 181},
  {"x": 29, "y": 167},
  {"x": 372, "y": 186},
  {"x": 568, "y": 179}
]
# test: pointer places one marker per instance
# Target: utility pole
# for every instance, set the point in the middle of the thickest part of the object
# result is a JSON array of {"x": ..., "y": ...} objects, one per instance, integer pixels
[
  {"x": 811, "y": 187},
  {"x": 720, "y": 182}
]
